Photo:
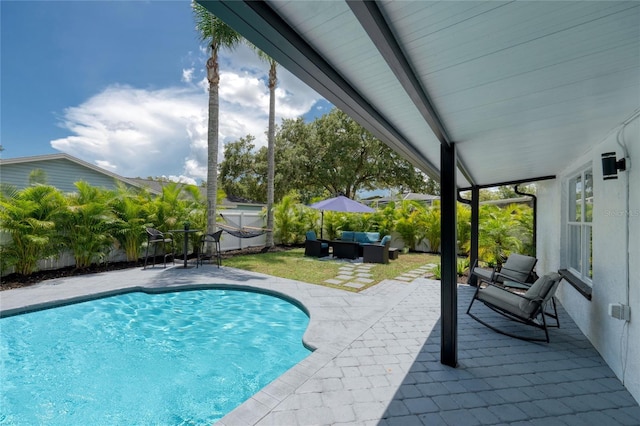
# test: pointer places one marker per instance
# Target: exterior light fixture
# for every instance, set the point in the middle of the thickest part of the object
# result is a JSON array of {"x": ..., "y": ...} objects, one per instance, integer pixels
[{"x": 610, "y": 166}]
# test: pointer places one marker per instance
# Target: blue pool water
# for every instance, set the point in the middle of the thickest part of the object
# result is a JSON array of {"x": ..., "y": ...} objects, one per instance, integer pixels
[{"x": 182, "y": 358}]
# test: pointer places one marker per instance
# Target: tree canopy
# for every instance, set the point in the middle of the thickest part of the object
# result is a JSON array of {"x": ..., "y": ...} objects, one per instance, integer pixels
[{"x": 330, "y": 155}]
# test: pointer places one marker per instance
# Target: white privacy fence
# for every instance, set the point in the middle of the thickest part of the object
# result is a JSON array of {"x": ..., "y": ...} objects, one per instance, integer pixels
[
  {"x": 227, "y": 242},
  {"x": 241, "y": 218}
]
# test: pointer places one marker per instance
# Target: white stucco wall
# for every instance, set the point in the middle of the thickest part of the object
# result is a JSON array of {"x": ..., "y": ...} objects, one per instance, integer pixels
[{"x": 617, "y": 341}]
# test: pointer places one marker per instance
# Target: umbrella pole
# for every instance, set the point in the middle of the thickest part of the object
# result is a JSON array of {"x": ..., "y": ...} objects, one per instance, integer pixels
[{"x": 321, "y": 222}]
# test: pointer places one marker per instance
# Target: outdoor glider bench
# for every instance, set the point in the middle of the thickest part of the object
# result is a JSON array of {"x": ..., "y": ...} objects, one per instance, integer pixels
[{"x": 527, "y": 308}]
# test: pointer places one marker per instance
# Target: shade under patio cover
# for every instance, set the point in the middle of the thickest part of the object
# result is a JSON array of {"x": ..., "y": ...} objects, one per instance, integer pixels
[{"x": 342, "y": 204}]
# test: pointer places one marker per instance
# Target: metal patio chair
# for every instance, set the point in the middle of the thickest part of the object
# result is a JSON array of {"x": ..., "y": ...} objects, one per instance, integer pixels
[
  {"x": 208, "y": 239},
  {"x": 163, "y": 239}
]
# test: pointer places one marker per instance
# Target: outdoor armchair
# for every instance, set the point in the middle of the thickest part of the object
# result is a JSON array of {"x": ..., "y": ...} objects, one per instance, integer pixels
[
  {"x": 516, "y": 272},
  {"x": 163, "y": 239},
  {"x": 377, "y": 253},
  {"x": 527, "y": 308},
  {"x": 314, "y": 247}
]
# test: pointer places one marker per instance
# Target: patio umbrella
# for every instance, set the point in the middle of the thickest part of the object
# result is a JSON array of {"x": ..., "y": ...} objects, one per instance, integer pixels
[{"x": 339, "y": 204}]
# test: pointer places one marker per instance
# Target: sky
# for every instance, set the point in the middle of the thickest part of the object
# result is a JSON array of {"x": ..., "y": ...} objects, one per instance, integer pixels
[{"x": 122, "y": 85}]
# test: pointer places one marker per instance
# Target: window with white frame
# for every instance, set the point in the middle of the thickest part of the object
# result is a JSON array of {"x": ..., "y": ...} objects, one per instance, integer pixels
[{"x": 579, "y": 225}]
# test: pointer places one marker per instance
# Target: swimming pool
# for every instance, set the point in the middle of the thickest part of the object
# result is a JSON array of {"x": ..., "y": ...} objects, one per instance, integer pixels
[{"x": 181, "y": 358}]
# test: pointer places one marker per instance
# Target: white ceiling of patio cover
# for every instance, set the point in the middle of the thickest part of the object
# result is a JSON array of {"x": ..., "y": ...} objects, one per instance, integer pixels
[{"x": 522, "y": 88}]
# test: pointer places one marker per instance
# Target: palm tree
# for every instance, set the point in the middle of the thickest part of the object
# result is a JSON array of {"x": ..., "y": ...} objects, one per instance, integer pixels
[
  {"x": 218, "y": 35},
  {"x": 271, "y": 137}
]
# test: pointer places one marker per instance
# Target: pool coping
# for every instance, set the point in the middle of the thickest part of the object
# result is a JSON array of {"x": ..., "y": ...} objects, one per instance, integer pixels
[{"x": 336, "y": 317}]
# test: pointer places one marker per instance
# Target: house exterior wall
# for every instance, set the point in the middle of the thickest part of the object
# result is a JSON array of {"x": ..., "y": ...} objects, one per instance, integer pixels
[
  {"x": 614, "y": 222},
  {"x": 60, "y": 173}
]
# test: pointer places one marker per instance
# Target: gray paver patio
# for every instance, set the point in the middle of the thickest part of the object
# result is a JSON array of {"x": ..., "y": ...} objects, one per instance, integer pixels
[{"x": 377, "y": 357}]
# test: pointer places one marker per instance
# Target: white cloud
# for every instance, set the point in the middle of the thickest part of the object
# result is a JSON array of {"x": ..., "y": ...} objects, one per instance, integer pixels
[
  {"x": 163, "y": 132},
  {"x": 135, "y": 132},
  {"x": 187, "y": 75},
  {"x": 182, "y": 179}
]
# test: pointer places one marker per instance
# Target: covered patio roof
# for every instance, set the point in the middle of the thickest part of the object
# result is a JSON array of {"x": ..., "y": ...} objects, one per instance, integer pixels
[{"x": 521, "y": 88}]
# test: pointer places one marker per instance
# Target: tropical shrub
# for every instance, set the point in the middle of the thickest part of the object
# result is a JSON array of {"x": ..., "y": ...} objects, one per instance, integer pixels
[
  {"x": 383, "y": 221},
  {"x": 29, "y": 217},
  {"x": 291, "y": 220},
  {"x": 463, "y": 227},
  {"x": 410, "y": 222},
  {"x": 462, "y": 266},
  {"x": 131, "y": 209},
  {"x": 431, "y": 230},
  {"x": 498, "y": 235},
  {"x": 88, "y": 224},
  {"x": 437, "y": 271},
  {"x": 333, "y": 223}
]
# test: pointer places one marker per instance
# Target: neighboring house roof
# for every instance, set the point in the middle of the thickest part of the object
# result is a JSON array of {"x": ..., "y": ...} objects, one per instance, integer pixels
[{"x": 62, "y": 171}]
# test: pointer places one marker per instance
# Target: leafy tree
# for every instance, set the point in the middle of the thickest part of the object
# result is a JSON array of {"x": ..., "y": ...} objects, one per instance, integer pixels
[
  {"x": 240, "y": 174},
  {"x": 292, "y": 160},
  {"x": 509, "y": 191},
  {"x": 217, "y": 35},
  {"x": 347, "y": 158},
  {"x": 331, "y": 155},
  {"x": 29, "y": 218},
  {"x": 432, "y": 187}
]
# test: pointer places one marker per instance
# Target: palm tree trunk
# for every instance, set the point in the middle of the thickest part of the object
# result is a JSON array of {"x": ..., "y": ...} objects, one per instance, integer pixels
[
  {"x": 271, "y": 152},
  {"x": 212, "y": 140}
]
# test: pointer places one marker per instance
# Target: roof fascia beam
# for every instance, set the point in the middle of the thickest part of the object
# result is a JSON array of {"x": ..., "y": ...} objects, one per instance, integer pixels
[
  {"x": 260, "y": 24},
  {"x": 374, "y": 23}
]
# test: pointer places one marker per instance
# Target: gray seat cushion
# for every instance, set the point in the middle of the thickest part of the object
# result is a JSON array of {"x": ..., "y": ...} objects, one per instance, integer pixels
[
  {"x": 503, "y": 299},
  {"x": 518, "y": 267},
  {"x": 539, "y": 292}
]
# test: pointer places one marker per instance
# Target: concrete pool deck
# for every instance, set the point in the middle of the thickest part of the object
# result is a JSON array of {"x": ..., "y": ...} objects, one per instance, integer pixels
[{"x": 377, "y": 357}]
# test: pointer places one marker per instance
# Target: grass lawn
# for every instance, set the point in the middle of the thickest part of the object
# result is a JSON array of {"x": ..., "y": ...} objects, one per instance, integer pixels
[{"x": 294, "y": 265}]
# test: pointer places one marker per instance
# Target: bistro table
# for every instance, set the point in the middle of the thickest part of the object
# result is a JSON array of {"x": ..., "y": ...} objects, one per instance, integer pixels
[{"x": 185, "y": 244}]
